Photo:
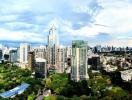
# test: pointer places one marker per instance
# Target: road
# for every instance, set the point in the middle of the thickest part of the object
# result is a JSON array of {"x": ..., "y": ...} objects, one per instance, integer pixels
[
  {"x": 44, "y": 93},
  {"x": 40, "y": 97}
]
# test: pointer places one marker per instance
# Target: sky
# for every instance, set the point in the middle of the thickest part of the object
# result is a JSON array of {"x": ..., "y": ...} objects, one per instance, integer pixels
[{"x": 105, "y": 22}]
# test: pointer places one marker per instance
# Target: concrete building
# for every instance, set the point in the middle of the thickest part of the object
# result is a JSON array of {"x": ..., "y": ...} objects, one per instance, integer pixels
[
  {"x": 56, "y": 54},
  {"x": 68, "y": 52},
  {"x": 40, "y": 52},
  {"x": 53, "y": 45},
  {"x": 24, "y": 49},
  {"x": 61, "y": 59},
  {"x": 31, "y": 60},
  {"x": 79, "y": 68},
  {"x": 6, "y": 58},
  {"x": 94, "y": 61},
  {"x": 126, "y": 75},
  {"x": 1, "y": 54},
  {"x": 52, "y": 55},
  {"x": 40, "y": 68},
  {"x": 68, "y": 56},
  {"x": 18, "y": 54},
  {"x": 6, "y": 54},
  {"x": 109, "y": 68},
  {"x": 13, "y": 55}
]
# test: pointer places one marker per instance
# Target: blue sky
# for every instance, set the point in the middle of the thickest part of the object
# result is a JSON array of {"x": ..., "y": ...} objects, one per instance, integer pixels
[{"x": 106, "y": 22}]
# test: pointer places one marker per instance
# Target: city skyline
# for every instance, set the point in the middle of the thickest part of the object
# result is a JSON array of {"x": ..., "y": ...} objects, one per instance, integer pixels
[{"x": 98, "y": 21}]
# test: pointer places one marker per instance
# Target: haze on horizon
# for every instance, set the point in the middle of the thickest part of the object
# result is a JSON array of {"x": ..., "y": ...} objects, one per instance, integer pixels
[{"x": 106, "y": 22}]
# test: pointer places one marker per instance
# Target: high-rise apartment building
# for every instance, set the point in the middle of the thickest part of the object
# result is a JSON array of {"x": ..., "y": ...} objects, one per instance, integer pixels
[
  {"x": 1, "y": 54},
  {"x": 40, "y": 68},
  {"x": 13, "y": 55},
  {"x": 40, "y": 52},
  {"x": 79, "y": 70},
  {"x": 18, "y": 54},
  {"x": 94, "y": 61},
  {"x": 24, "y": 49},
  {"x": 61, "y": 59},
  {"x": 31, "y": 60},
  {"x": 56, "y": 55},
  {"x": 6, "y": 54},
  {"x": 68, "y": 51}
]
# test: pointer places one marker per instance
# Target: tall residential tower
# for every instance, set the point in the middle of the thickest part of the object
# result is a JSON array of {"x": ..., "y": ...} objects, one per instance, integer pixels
[
  {"x": 24, "y": 49},
  {"x": 79, "y": 67}
]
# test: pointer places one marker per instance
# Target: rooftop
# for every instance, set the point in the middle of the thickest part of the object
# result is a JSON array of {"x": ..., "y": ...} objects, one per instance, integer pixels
[
  {"x": 40, "y": 60},
  {"x": 127, "y": 71},
  {"x": 15, "y": 91}
]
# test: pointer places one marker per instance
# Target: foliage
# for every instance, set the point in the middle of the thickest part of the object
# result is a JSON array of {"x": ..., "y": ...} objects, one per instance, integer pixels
[
  {"x": 98, "y": 87},
  {"x": 117, "y": 93},
  {"x": 12, "y": 76},
  {"x": 31, "y": 96},
  {"x": 56, "y": 82},
  {"x": 50, "y": 97}
]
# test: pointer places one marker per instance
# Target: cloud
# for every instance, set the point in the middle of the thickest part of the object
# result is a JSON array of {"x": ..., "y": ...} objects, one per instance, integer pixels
[
  {"x": 75, "y": 19},
  {"x": 84, "y": 31},
  {"x": 20, "y": 36},
  {"x": 117, "y": 15}
]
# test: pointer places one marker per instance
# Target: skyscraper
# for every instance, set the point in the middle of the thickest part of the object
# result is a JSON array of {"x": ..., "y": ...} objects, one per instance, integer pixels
[
  {"x": 79, "y": 69},
  {"x": 53, "y": 43},
  {"x": 31, "y": 60},
  {"x": 24, "y": 49},
  {"x": 53, "y": 37}
]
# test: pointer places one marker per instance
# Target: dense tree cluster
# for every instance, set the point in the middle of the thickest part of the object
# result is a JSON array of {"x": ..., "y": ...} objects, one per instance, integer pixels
[
  {"x": 98, "y": 87},
  {"x": 12, "y": 76}
]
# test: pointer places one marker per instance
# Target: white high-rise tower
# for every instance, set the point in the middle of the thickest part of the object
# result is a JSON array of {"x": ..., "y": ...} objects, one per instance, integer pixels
[
  {"x": 24, "y": 49},
  {"x": 53, "y": 37},
  {"x": 53, "y": 44}
]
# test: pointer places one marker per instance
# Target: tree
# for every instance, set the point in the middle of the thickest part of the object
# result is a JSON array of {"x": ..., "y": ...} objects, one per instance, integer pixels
[
  {"x": 31, "y": 96},
  {"x": 116, "y": 93}
]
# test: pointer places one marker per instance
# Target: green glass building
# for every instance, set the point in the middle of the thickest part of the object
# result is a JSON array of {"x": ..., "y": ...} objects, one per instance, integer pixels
[{"x": 79, "y": 60}]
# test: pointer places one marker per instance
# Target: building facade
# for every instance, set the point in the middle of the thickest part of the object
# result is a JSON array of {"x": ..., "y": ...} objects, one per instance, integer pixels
[
  {"x": 1, "y": 54},
  {"x": 79, "y": 69},
  {"x": 61, "y": 59},
  {"x": 94, "y": 61},
  {"x": 31, "y": 60},
  {"x": 40, "y": 68},
  {"x": 53, "y": 45},
  {"x": 13, "y": 55},
  {"x": 24, "y": 49},
  {"x": 53, "y": 37},
  {"x": 40, "y": 52}
]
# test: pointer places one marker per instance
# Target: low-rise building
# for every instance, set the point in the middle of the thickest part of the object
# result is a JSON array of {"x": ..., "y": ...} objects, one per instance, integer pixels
[
  {"x": 110, "y": 68},
  {"x": 126, "y": 75}
]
